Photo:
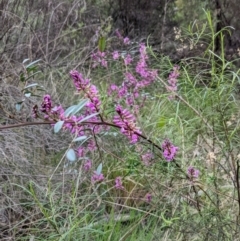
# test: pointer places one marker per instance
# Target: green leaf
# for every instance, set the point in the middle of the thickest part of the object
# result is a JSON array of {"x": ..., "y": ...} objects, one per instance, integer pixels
[
  {"x": 162, "y": 122},
  {"x": 25, "y": 60},
  {"x": 99, "y": 169},
  {"x": 18, "y": 106},
  {"x": 22, "y": 77},
  {"x": 102, "y": 44},
  {"x": 80, "y": 106},
  {"x": 80, "y": 138},
  {"x": 33, "y": 68},
  {"x": 69, "y": 110},
  {"x": 88, "y": 117},
  {"x": 32, "y": 63},
  {"x": 58, "y": 126},
  {"x": 71, "y": 155},
  {"x": 28, "y": 94},
  {"x": 30, "y": 86}
]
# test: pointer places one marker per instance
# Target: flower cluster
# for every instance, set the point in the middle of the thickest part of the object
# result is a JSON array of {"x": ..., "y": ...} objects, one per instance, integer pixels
[
  {"x": 138, "y": 76},
  {"x": 147, "y": 157},
  {"x": 115, "y": 55},
  {"x": 128, "y": 59},
  {"x": 148, "y": 197},
  {"x": 130, "y": 88},
  {"x": 169, "y": 150},
  {"x": 57, "y": 113},
  {"x": 192, "y": 172},
  {"x": 99, "y": 58},
  {"x": 97, "y": 177},
  {"x": 127, "y": 122},
  {"x": 87, "y": 165},
  {"x": 46, "y": 105},
  {"x": 125, "y": 40},
  {"x": 118, "y": 183},
  {"x": 90, "y": 91},
  {"x": 172, "y": 81}
]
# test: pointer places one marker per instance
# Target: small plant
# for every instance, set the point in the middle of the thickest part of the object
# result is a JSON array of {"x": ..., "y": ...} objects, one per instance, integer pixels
[{"x": 150, "y": 147}]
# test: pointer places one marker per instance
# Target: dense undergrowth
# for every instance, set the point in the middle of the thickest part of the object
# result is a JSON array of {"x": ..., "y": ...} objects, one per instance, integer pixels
[{"x": 171, "y": 174}]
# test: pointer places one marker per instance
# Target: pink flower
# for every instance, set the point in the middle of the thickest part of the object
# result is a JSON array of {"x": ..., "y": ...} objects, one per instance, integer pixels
[
  {"x": 147, "y": 157},
  {"x": 122, "y": 91},
  {"x": 126, "y": 40},
  {"x": 172, "y": 80},
  {"x": 81, "y": 152},
  {"x": 87, "y": 165},
  {"x": 112, "y": 88},
  {"x": 97, "y": 177},
  {"x": 104, "y": 63},
  {"x": 143, "y": 51},
  {"x": 127, "y": 122},
  {"x": 118, "y": 34},
  {"x": 115, "y": 55},
  {"x": 127, "y": 59},
  {"x": 141, "y": 68},
  {"x": 99, "y": 58},
  {"x": 192, "y": 172},
  {"x": 131, "y": 80},
  {"x": 130, "y": 100},
  {"x": 148, "y": 197},
  {"x": 169, "y": 150},
  {"x": 118, "y": 183},
  {"x": 90, "y": 91},
  {"x": 91, "y": 145},
  {"x": 57, "y": 113},
  {"x": 79, "y": 82},
  {"x": 46, "y": 105}
]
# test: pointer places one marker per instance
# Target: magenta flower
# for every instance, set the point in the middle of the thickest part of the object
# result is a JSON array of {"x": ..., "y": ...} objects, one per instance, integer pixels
[
  {"x": 192, "y": 172},
  {"x": 81, "y": 152},
  {"x": 127, "y": 59},
  {"x": 112, "y": 88},
  {"x": 172, "y": 80},
  {"x": 122, "y": 91},
  {"x": 143, "y": 52},
  {"x": 57, "y": 113},
  {"x": 104, "y": 63},
  {"x": 46, "y": 105},
  {"x": 97, "y": 177},
  {"x": 99, "y": 58},
  {"x": 118, "y": 34},
  {"x": 141, "y": 68},
  {"x": 126, "y": 40},
  {"x": 169, "y": 150},
  {"x": 118, "y": 183},
  {"x": 130, "y": 79},
  {"x": 90, "y": 91},
  {"x": 87, "y": 165},
  {"x": 148, "y": 197},
  {"x": 91, "y": 145},
  {"x": 130, "y": 100},
  {"x": 79, "y": 82},
  {"x": 115, "y": 55},
  {"x": 147, "y": 157},
  {"x": 127, "y": 122}
]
